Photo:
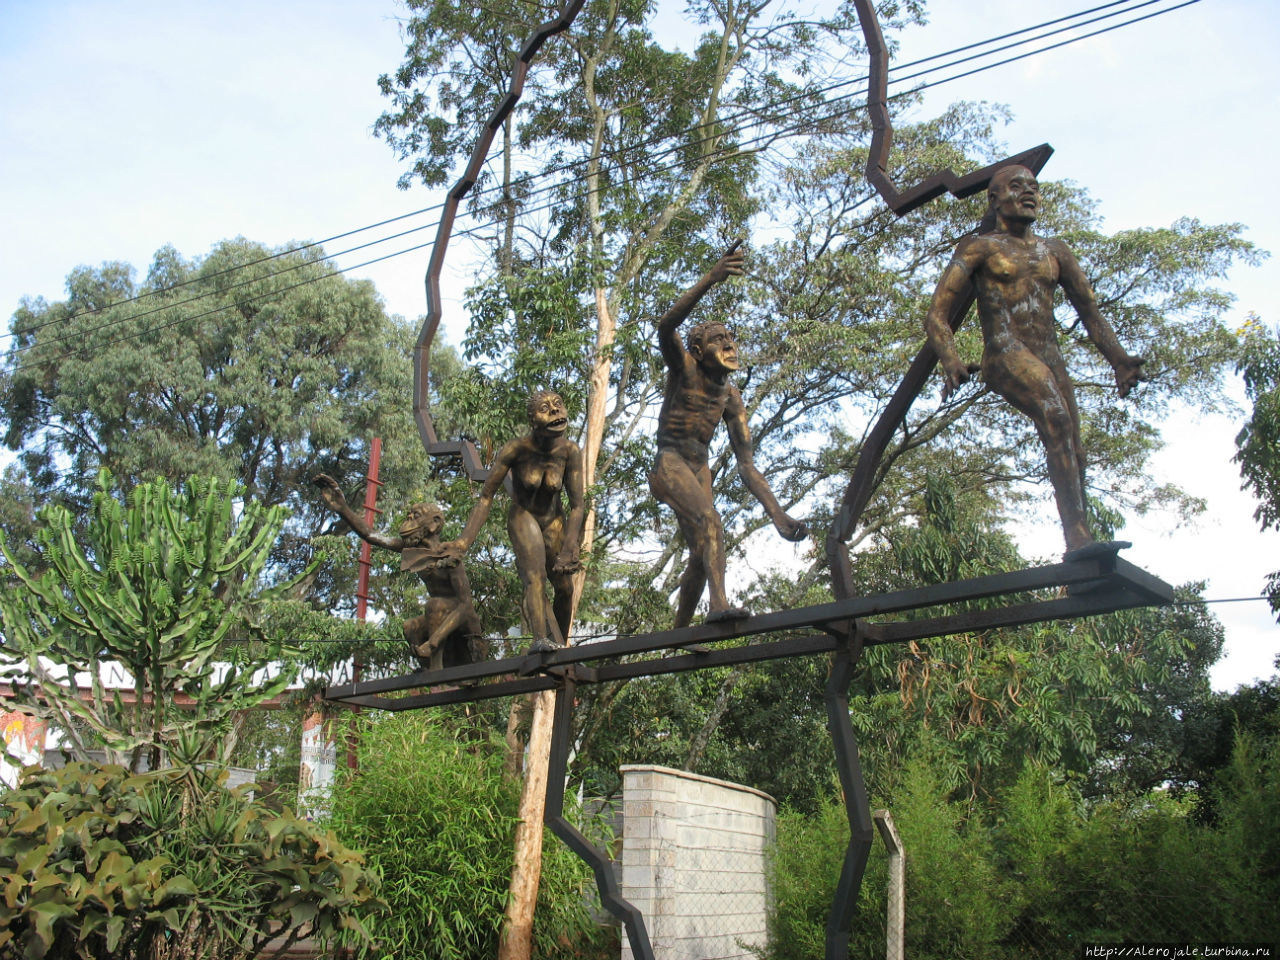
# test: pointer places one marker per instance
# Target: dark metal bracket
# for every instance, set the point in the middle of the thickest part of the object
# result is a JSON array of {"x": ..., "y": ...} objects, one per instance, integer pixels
[
  {"x": 463, "y": 449},
  {"x": 1098, "y": 583},
  {"x": 945, "y": 181}
]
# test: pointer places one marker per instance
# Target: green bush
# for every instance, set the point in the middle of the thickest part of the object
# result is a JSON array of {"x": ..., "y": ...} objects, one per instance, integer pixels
[
  {"x": 98, "y": 863},
  {"x": 436, "y": 817},
  {"x": 957, "y": 903},
  {"x": 1035, "y": 871}
]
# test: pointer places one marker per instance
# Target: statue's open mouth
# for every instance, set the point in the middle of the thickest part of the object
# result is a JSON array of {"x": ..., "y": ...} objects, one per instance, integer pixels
[{"x": 558, "y": 425}]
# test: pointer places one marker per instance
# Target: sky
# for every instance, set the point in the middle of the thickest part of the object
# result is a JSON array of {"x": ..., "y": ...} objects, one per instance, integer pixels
[{"x": 132, "y": 124}]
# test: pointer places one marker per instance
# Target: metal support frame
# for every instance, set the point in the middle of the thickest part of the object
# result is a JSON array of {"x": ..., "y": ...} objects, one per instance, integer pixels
[
  {"x": 1100, "y": 582},
  {"x": 553, "y": 816}
]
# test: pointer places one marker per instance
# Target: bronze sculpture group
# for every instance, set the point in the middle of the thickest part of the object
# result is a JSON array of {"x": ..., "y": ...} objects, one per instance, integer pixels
[{"x": 1013, "y": 273}]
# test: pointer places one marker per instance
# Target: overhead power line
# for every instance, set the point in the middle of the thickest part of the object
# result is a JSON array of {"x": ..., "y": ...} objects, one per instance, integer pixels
[
  {"x": 557, "y": 186},
  {"x": 725, "y": 121}
]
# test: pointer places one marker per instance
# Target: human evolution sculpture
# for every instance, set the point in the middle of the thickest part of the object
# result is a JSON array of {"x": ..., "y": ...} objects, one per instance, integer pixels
[
  {"x": 1014, "y": 273},
  {"x": 697, "y": 397},
  {"x": 448, "y": 624},
  {"x": 845, "y": 626}
]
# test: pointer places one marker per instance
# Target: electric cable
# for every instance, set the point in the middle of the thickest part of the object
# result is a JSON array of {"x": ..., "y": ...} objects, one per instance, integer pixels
[
  {"x": 559, "y": 185},
  {"x": 722, "y": 122}
]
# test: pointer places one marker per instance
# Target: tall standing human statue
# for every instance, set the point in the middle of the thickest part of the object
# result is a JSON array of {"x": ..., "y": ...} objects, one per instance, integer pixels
[
  {"x": 698, "y": 396},
  {"x": 1014, "y": 274},
  {"x": 544, "y": 466}
]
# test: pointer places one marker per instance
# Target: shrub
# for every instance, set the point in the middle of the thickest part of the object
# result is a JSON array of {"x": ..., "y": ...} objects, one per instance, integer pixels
[
  {"x": 436, "y": 817},
  {"x": 96, "y": 862}
]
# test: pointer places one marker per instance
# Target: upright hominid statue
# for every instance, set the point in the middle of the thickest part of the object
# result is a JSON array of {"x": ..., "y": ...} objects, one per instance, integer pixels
[
  {"x": 698, "y": 396},
  {"x": 544, "y": 466},
  {"x": 1014, "y": 273},
  {"x": 449, "y": 623}
]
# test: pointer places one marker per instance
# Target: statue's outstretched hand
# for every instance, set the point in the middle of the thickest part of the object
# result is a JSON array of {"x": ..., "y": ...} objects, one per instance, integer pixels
[
  {"x": 1128, "y": 372},
  {"x": 330, "y": 492},
  {"x": 729, "y": 265},
  {"x": 793, "y": 530},
  {"x": 957, "y": 375}
]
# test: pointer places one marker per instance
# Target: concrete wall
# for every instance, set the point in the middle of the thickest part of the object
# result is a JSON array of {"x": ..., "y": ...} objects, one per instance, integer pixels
[{"x": 693, "y": 855}]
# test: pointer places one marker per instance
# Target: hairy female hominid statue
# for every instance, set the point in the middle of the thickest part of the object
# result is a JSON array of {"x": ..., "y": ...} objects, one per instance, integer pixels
[
  {"x": 448, "y": 624},
  {"x": 545, "y": 467}
]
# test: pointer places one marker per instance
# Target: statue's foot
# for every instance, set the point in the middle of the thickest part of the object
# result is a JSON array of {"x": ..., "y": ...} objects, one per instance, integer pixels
[
  {"x": 728, "y": 613},
  {"x": 1100, "y": 548},
  {"x": 543, "y": 645}
]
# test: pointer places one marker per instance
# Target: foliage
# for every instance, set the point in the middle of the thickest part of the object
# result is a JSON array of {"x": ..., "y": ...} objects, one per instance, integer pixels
[
  {"x": 432, "y": 810},
  {"x": 1258, "y": 442},
  {"x": 250, "y": 364},
  {"x": 1036, "y": 870},
  {"x": 99, "y": 863},
  {"x": 158, "y": 587}
]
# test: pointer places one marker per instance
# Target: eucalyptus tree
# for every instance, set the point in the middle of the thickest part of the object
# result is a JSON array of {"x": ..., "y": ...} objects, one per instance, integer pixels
[{"x": 253, "y": 364}]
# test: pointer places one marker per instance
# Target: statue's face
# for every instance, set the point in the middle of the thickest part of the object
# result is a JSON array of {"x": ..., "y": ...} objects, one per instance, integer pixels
[
  {"x": 1015, "y": 193},
  {"x": 423, "y": 520},
  {"x": 718, "y": 353},
  {"x": 547, "y": 414}
]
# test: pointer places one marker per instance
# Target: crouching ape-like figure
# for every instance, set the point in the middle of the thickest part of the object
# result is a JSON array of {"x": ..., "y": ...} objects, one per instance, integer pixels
[
  {"x": 542, "y": 466},
  {"x": 448, "y": 624},
  {"x": 698, "y": 396},
  {"x": 1014, "y": 274}
]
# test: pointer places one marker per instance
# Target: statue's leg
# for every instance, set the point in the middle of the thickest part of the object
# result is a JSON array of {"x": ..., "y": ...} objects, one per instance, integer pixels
[
  {"x": 692, "y": 583},
  {"x": 688, "y": 493},
  {"x": 1032, "y": 386},
  {"x": 531, "y": 564},
  {"x": 445, "y": 627}
]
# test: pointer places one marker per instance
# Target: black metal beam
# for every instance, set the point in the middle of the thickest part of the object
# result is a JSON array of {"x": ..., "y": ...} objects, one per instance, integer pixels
[{"x": 1100, "y": 584}]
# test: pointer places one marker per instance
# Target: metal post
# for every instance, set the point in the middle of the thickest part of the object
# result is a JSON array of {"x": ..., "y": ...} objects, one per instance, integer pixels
[
  {"x": 371, "y": 511},
  {"x": 895, "y": 925},
  {"x": 607, "y": 885},
  {"x": 854, "y": 787}
]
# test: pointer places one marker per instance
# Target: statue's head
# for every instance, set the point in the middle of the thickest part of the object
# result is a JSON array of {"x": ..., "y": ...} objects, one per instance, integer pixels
[
  {"x": 1013, "y": 194},
  {"x": 547, "y": 413},
  {"x": 422, "y": 520},
  {"x": 712, "y": 347}
]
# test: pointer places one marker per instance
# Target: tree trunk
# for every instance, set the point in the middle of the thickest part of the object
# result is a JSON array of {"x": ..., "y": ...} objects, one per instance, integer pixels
[{"x": 526, "y": 870}]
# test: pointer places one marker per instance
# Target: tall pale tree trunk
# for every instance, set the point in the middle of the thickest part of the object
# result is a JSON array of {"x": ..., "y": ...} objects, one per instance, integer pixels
[{"x": 517, "y": 936}]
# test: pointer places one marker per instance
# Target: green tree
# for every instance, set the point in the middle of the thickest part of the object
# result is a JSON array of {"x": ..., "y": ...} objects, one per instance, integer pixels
[
  {"x": 158, "y": 586},
  {"x": 1258, "y": 442},
  {"x": 250, "y": 364}
]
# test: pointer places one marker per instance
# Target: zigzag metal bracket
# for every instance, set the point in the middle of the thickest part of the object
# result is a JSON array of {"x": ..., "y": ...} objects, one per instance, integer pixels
[
  {"x": 464, "y": 448},
  {"x": 904, "y": 201}
]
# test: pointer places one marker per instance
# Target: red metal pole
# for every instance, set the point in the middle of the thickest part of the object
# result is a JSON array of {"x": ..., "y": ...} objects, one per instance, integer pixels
[{"x": 371, "y": 511}]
